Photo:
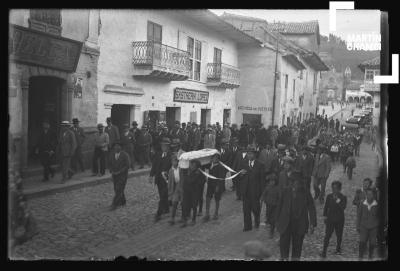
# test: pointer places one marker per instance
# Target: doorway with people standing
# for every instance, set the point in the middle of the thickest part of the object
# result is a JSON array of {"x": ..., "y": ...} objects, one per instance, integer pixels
[
  {"x": 172, "y": 114},
  {"x": 121, "y": 114}
]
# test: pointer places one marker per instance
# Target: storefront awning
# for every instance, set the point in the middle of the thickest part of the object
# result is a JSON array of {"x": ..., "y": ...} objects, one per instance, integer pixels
[{"x": 293, "y": 60}]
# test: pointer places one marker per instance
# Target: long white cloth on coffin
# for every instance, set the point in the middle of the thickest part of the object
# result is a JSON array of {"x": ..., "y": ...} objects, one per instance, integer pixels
[{"x": 204, "y": 156}]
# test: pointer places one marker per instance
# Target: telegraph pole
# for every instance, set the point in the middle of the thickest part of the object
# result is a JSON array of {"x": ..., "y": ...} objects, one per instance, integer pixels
[{"x": 275, "y": 79}]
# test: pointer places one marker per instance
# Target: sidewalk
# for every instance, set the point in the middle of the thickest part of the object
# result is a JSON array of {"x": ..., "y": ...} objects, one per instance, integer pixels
[
  {"x": 33, "y": 187},
  {"x": 329, "y": 111}
]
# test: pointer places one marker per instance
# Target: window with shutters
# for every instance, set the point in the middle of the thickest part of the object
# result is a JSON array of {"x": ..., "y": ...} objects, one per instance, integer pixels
[
  {"x": 154, "y": 32},
  {"x": 46, "y": 20},
  {"x": 194, "y": 50}
]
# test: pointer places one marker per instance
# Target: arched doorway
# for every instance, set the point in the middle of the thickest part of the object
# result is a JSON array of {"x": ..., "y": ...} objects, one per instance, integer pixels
[
  {"x": 369, "y": 99},
  {"x": 362, "y": 99},
  {"x": 356, "y": 99},
  {"x": 350, "y": 99},
  {"x": 44, "y": 103}
]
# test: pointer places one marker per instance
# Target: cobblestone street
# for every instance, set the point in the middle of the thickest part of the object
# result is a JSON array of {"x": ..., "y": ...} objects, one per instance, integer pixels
[{"x": 77, "y": 225}]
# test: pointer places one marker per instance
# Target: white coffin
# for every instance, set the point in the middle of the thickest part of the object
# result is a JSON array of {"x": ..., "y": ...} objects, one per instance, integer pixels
[{"x": 204, "y": 156}]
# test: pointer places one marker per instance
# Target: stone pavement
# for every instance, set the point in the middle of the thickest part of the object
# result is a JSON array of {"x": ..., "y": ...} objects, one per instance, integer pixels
[
  {"x": 224, "y": 239},
  {"x": 34, "y": 187}
]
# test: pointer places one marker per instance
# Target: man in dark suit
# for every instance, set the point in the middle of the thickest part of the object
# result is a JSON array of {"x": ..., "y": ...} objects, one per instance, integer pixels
[
  {"x": 306, "y": 166},
  {"x": 46, "y": 148},
  {"x": 335, "y": 205},
  {"x": 80, "y": 138},
  {"x": 226, "y": 157},
  {"x": 243, "y": 136},
  {"x": 322, "y": 168},
  {"x": 119, "y": 166},
  {"x": 113, "y": 135},
  {"x": 295, "y": 213},
  {"x": 159, "y": 171},
  {"x": 239, "y": 156},
  {"x": 251, "y": 187}
]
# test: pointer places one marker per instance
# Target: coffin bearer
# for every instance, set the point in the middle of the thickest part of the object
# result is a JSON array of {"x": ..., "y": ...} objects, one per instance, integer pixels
[
  {"x": 128, "y": 141},
  {"x": 46, "y": 148},
  {"x": 296, "y": 213},
  {"x": 251, "y": 185},
  {"x": 67, "y": 145},
  {"x": 226, "y": 158},
  {"x": 80, "y": 138},
  {"x": 119, "y": 169},
  {"x": 101, "y": 143},
  {"x": 113, "y": 135},
  {"x": 214, "y": 187},
  {"x": 159, "y": 172}
]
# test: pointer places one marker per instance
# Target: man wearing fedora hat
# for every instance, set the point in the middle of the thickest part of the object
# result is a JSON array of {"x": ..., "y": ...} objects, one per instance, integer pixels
[
  {"x": 296, "y": 214},
  {"x": 159, "y": 171},
  {"x": 322, "y": 169},
  {"x": 306, "y": 165},
  {"x": 238, "y": 159},
  {"x": 113, "y": 135},
  {"x": 101, "y": 142},
  {"x": 119, "y": 166},
  {"x": 80, "y": 138},
  {"x": 251, "y": 186},
  {"x": 46, "y": 148},
  {"x": 128, "y": 141},
  {"x": 67, "y": 145}
]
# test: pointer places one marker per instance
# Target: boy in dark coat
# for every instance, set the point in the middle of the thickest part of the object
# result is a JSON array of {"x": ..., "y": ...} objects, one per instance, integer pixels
[
  {"x": 251, "y": 186},
  {"x": 335, "y": 205},
  {"x": 360, "y": 195},
  {"x": 296, "y": 212},
  {"x": 119, "y": 165},
  {"x": 214, "y": 187},
  {"x": 191, "y": 187},
  {"x": 271, "y": 198}
]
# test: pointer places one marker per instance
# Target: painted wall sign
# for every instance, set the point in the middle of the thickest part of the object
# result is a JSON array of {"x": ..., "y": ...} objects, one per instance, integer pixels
[
  {"x": 42, "y": 49},
  {"x": 190, "y": 96},
  {"x": 254, "y": 108}
]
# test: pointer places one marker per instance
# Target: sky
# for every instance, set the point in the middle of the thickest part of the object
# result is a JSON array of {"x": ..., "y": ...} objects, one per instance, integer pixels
[{"x": 347, "y": 21}]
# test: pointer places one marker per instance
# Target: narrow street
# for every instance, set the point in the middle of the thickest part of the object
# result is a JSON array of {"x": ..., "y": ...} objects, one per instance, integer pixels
[{"x": 77, "y": 224}]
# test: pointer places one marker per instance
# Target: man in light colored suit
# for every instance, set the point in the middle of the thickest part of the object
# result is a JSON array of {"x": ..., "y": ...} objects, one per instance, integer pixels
[
  {"x": 322, "y": 168},
  {"x": 67, "y": 146}
]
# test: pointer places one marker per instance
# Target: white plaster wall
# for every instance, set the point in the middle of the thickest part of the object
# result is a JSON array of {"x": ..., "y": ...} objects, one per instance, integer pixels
[{"x": 120, "y": 28}]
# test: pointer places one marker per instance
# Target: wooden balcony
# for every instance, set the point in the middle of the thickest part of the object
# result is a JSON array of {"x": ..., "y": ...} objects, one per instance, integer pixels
[
  {"x": 222, "y": 75},
  {"x": 156, "y": 60}
]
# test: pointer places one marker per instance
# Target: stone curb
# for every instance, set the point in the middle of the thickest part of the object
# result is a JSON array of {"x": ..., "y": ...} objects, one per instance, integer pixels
[{"x": 69, "y": 186}]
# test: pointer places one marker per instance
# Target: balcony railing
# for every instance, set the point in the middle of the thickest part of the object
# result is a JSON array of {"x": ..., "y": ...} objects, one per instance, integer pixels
[
  {"x": 223, "y": 75},
  {"x": 154, "y": 59}
]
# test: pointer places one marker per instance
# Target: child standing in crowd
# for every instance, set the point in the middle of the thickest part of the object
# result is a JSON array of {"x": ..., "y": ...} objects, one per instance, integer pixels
[
  {"x": 271, "y": 198},
  {"x": 175, "y": 189},
  {"x": 350, "y": 165},
  {"x": 367, "y": 223},
  {"x": 191, "y": 187},
  {"x": 335, "y": 205}
]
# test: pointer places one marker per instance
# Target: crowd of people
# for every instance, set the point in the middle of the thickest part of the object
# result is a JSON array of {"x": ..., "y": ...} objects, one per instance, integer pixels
[{"x": 274, "y": 166}]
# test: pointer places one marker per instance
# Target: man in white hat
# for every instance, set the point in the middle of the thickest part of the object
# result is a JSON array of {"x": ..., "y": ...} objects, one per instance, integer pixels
[{"x": 67, "y": 145}]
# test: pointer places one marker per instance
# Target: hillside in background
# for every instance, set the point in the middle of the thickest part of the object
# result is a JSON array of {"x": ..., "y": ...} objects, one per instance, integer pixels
[{"x": 336, "y": 54}]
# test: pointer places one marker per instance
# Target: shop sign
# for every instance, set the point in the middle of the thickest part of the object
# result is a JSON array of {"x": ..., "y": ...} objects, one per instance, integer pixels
[
  {"x": 251, "y": 108},
  {"x": 190, "y": 96},
  {"x": 37, "y": 48}
]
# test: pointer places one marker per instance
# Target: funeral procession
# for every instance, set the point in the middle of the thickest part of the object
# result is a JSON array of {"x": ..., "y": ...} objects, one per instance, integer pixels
[{"x": 194, "y": 134}]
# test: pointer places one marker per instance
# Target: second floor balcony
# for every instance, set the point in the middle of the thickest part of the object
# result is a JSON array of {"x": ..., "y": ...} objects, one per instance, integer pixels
[
  {"x": 157, "y": 60},
  {"x": 223, "y": 75}
]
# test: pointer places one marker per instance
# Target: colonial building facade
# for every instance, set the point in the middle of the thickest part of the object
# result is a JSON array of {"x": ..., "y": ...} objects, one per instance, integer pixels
[
  {"x": 53, "y": 75},
  {"x": 371, "y": 68},
  {"x": 281, "y": 80},
  {"x": 166, "y": 66}
]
